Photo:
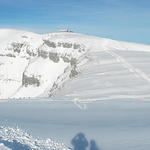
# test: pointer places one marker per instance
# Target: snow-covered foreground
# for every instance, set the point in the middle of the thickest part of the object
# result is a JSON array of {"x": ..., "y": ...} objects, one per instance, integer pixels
[
  {"x": 16, "y": 139},
  {"x": 114, "y": 125}
]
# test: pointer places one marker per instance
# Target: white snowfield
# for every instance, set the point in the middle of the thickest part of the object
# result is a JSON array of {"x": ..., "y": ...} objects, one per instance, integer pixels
[
  {"x": 83, "y": 67},
  {"x": 16, "y": 139}
]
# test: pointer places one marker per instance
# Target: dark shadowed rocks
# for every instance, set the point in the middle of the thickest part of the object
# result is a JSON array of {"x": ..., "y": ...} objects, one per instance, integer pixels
[
  {"x": 54, "y": 57},
  {"x": 79, "y": 142},
  {"x": 43, "y": 54},
  {"x": 16, "y": 47},
  {"x": 26, "y": 80},
  {"x": 49, "y": 43}
]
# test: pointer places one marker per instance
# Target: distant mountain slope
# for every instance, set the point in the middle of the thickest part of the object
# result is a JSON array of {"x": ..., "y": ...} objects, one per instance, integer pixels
[{"x": 33, "y": 65}]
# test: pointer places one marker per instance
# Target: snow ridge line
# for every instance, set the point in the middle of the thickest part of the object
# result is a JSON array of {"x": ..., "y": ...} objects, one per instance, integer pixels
[{"x": 136, "y": 71}]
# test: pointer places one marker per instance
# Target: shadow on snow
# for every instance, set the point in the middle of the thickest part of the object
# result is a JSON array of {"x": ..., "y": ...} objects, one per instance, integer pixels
[{"x": 80, "y": 142}]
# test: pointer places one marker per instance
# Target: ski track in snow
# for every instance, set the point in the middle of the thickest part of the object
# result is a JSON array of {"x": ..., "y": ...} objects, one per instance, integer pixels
[
  {"x": 136, "y": 71},
  {"x": 132, "y": 69},
  {"x": 80, "y": 105},
  {"x": 109, "y": 76}
]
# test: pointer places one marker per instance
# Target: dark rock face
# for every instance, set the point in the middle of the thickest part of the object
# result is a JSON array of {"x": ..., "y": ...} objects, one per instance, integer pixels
[
  {"x": 43, "y": 54},
  {"x": 65, "y": 59},
  {"x": 30, "y": 81},
  {"x": 10, "y": 55},
  {"x": 16, "y": 47},
  {"x": 54, "y": 57},
  {"x": 24, "y": 37},
  {"x": 67, "y": 45},
  {"x": 49, "y": 43},
  {"x": 73, "y": 73},
  {"x": 62, "y": 44},
  {"x": 73, "y": 61},
  {"x": 76, "y": 46},
  {"x": 30, "y": 53}
]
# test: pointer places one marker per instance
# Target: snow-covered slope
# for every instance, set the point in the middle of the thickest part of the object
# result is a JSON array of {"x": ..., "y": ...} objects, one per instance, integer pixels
[
  {"x": 16, "y": 139},
  {"x": 33, "y": 65}
]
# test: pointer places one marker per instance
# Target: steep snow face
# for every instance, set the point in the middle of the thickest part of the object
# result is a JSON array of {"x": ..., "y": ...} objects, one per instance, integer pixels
[
  {"x": 33, "y": 65},
  {"x": 16, "y": 48},
  {"x": 16, "y": 139}
]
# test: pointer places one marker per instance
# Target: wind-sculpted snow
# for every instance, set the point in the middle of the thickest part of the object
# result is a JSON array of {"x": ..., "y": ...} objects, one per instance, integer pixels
[
  {"x": 33, "y": 65},
  {"x": 111, "y": 75},
  {"x": 16, "y": 139}
]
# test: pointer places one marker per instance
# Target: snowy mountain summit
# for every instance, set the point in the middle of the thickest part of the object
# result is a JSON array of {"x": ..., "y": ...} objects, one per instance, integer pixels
[{"x": 33, "y": 65}]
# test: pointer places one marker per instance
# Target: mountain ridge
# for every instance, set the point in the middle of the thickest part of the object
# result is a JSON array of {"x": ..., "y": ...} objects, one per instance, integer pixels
[{"x": 34, "y": 65}]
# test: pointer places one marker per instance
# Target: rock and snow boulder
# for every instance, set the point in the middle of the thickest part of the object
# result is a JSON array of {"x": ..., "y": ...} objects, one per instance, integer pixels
[{"x": 16, "y": 139}]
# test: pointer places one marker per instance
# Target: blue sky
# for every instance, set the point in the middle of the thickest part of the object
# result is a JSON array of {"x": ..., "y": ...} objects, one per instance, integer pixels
[{"x": 127, "y": 20}]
